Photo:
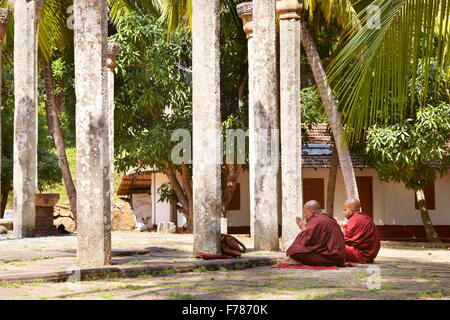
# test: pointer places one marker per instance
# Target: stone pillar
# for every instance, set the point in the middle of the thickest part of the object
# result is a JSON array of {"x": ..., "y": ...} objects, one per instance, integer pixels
[
  {"x": 266, "y": 144},
  {"x": 26, "y": 20},
  {"x": 245, "y": 12},
  {"x": 113, "y": 52},
  {"x": 291, "y": 136},
  {"x": 93, "y": 165},
  {"x": 207, "y": 127},
  {"x": 5, "y": 15}
]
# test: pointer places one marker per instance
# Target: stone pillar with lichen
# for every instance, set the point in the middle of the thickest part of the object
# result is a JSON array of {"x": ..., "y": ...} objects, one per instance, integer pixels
[
  {"x": 92, "y": 104},
  {"x": 245, "y": 12},
  {"x": 113, "y": 52},
  {"x": 5, "y": 16},
  {"x": 207, "y": 126},
  {"x": 266, "y": 120},
  {"x": 290, "y": 115},
  {"x": 26, "y": 20}
]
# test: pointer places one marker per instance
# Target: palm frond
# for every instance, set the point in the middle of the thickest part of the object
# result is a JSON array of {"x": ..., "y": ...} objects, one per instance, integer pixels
[
  {"x": 375, "y": 73},
  {"x": 121, "y": 8}
]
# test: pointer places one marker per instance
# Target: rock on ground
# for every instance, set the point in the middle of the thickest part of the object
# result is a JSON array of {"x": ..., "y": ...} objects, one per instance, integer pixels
[
  {"x": 123, "y": 218},
  {"x": 3, "y": 230}
]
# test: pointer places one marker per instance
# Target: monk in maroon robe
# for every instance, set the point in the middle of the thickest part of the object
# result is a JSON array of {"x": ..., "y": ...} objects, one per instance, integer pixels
[
  {"x": 320, "y": 242},
  {"x": 362, "y": 239}
]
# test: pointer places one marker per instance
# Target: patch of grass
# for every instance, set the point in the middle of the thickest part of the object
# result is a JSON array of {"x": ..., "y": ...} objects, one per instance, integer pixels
[
  {"x": 186, "y": 286},
  {"x": 216, "y": 289},
  {"x": 180, "y": 296},
  {"x": 428, "y": 275},
  {"x": 339, "y": 293},
  {"x": 19, "y": 264},
  {"x": 36, "y": 283},
  {"x": 312, "y": 296},
  {"x": 389, "y": 286},
  {"x": 223, "y": 269},
  {"x": 167, "y": 272},
  {"x": 9, "y": 261},
  {"x": 177, "y": 250},
  {"x": 137, "y": 262},
  {"x": 42, "y": 258},
  {"x": 43, "y": 298},
  {"x": 142, "y": 274},
  {"x": 106, "y": 296},
  {"x": 22, "y": 294},
  {"x": 239, "y": 266},
  {"x": 433, "y": 292},
  {"x": 391, "y": 265},
  {"x": 104, "y": 274},
  {"x": 255, "y": 297},
  {"x": 201, "y": 269},
  {"x": 131, "y": 287},
  {"x": 10, "y": 284}
]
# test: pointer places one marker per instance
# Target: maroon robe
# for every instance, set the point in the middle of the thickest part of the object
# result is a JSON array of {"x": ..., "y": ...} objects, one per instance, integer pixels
[
  {"x": 362, "y": 239},
  {"x": 320, "y": 244}
]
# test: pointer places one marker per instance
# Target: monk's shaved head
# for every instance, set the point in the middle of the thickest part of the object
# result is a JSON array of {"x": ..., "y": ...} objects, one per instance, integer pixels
[
  {"x": 351, "y": 206},
  {"x": 313, "y": 205}
]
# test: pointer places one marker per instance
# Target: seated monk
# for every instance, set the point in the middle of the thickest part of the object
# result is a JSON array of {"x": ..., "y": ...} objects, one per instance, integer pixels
[
  {"x": 362, "y": 240},
  {"x": 320, "y": 242}
]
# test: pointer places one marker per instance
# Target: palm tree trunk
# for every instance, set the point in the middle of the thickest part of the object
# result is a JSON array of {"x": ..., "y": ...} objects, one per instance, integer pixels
[
  {"x": 55, "y": 129},
  {"x": 332, "y": 112},
  {"x": 230, "y": 180},
  {"x": 331, "y": 187},
  {"x": 432, "y": 235},
  {"x": 4, "y": 194},
  {"x": 185, "y": 200}
]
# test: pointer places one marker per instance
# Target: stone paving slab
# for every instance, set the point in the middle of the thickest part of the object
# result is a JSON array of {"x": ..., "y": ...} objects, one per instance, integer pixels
[
  {"x": 128, "y": 271},
  {"x": 54, "y": 258}
]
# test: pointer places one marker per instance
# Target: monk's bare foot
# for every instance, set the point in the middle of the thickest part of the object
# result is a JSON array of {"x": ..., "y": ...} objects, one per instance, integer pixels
[{"x": 288, "y": 260}]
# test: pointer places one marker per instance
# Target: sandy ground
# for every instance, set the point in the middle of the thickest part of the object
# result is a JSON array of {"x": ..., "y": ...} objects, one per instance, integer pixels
[{"x": 399, "y": 273}]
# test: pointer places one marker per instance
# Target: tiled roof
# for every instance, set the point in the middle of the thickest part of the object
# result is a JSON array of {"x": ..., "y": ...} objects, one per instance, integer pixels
[
  {"x": 324, "y": 161},
  {"x": 135, "y": 183},
  {"x": 317, "y": 151}
]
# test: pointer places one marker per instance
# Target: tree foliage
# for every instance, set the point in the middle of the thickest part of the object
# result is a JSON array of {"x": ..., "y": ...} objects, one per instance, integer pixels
[{"x": 414, "y": 151}]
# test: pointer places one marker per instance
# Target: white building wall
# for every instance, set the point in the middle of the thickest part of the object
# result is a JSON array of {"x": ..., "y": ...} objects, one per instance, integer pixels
[
  {"x": 393, "y": 204},
  {"x": 161, "y": 210},
  {"x": 400, "y": 208},
  {"x": 237, "y": 218}
]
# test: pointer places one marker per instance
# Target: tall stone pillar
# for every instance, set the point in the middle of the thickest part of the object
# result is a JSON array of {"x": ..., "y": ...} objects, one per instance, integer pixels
[
  {"x": 93, "y": 165},
  {"x": 207, "y": 128},
  {"x": 5, "y": 15},
  {"x": 266, "y": 144},
  {"x": 245, "y": 12},
  {"x": 26, "y": 21},
  {"x": 113, "y": 52},
  {"x": 291, "y": 136}
]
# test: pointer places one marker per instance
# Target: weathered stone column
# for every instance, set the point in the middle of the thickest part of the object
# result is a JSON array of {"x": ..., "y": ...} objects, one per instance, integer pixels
[
  {"x": 266, "y": 144},
  {"x": 26, "y": 20},
  {"x": 113, "y": 52},
  {"x": 5, "y": 15},
  {"x": 245, "y": 12},
  {"x": 291, "y": 136},
  {"x": 207, "y": 128},
  {"x": 93, "y": 178}
]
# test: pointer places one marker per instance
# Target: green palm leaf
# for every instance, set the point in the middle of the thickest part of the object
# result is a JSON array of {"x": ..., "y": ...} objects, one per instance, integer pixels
[{"x": 375, "y": 73}]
